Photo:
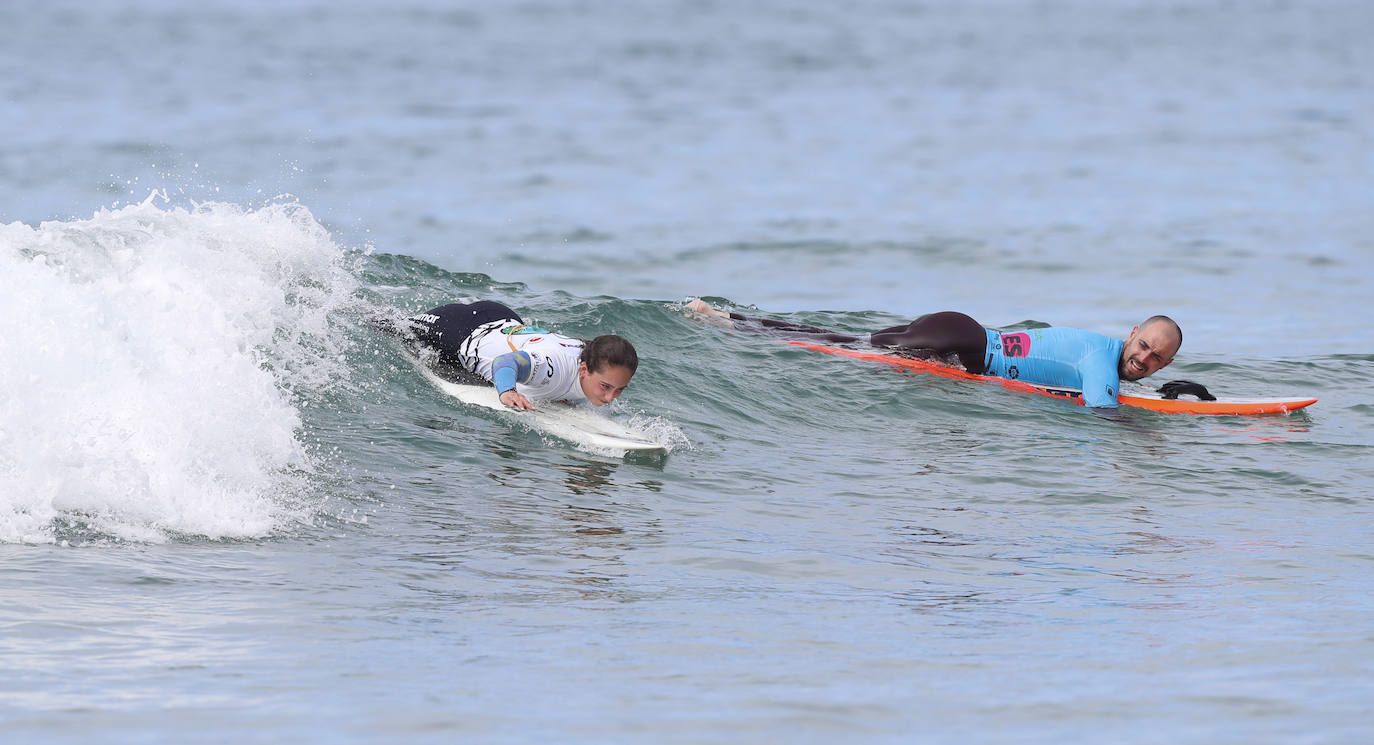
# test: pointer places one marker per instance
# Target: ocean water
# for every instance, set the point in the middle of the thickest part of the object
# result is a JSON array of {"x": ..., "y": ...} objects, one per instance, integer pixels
[{"x": 229, "y": 511}]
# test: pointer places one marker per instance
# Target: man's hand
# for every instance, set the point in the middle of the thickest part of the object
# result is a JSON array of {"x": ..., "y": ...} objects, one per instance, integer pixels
[{"x": 516, "y": 401}]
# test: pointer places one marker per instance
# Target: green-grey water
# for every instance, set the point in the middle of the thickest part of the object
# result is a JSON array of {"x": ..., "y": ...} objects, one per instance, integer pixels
[{"x": 230, "y": 511}]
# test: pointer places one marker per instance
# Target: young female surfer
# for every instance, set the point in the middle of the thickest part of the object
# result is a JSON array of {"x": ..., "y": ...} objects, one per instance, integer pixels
[
  {"x": 1054, "y": 356},
  {"x": 525, "y": 363}
]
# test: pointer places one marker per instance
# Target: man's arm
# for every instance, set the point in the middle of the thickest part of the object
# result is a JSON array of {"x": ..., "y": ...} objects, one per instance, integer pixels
[{"x": 1100, "y": 383}]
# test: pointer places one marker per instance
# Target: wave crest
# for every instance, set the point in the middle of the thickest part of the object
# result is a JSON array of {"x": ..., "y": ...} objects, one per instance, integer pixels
[{"x": 151, "y": 366}]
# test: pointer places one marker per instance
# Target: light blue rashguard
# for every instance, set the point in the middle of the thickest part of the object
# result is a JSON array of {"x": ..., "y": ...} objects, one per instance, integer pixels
[{"x": 1066, "y": 357}]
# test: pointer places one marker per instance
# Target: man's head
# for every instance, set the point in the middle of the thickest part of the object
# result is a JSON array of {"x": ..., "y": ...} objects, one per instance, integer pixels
[
  {"x": 607, "y": 364},
  {"x": 1150, "y": 347}
]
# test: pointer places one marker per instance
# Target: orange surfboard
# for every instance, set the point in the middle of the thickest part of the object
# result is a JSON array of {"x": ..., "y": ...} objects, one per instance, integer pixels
[{"x": 1152, "y": 401}]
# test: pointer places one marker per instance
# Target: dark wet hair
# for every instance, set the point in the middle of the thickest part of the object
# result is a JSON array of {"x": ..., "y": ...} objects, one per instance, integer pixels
[
  {"x": 1168, "y": 322},
  {"x": 609, "y": 350}
]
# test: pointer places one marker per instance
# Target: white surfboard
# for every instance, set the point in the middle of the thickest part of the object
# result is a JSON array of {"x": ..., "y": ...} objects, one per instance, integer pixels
[{"x": 580, "y": 426}]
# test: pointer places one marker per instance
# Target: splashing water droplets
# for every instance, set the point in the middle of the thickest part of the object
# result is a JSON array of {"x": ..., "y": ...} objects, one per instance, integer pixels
[{"x": 153, "y": 369}]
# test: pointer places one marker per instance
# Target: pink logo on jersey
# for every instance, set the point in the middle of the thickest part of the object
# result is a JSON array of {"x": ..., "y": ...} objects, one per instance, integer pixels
[{"x": 1016, "y": 345}]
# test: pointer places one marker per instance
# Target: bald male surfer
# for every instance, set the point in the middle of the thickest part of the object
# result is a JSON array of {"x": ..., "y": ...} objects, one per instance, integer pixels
[
  {"x": 1055, "y": 356},
  {"x": 525, "y": 363}
]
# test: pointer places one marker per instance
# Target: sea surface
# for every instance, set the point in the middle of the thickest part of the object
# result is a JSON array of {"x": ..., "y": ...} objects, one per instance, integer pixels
[{"x": 231, "y": 512}]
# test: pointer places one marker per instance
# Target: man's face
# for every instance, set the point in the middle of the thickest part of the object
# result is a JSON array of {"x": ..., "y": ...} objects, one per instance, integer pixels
[
  {"x": 1147, "y": 350},
  {"x": 604, "y": 385}
]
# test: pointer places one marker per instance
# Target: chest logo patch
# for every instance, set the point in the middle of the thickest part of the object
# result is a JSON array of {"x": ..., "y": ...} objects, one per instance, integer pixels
[{"x": 1016, "y": 345}]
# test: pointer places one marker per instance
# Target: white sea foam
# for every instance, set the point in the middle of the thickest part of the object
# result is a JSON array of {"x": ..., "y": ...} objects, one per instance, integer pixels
[
  {"x": 150, "y": 366},
  {"x": 661, "y": 430}
]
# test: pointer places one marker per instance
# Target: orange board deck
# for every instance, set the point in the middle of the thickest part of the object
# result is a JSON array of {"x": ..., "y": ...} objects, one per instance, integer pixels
[{"x": 1229, "y": 407}]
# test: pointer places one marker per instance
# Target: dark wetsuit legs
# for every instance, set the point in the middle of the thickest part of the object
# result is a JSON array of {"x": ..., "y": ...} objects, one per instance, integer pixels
[
  {"x": 943, "y": 333},
  {"x": 444, "y": 329},
  {"x": 783, "y": 328},
  {"x": 946, "y": 332}
]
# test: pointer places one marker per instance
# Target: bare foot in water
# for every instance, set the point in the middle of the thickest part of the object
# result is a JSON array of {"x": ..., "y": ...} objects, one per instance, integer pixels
[{"x": 713, "y": 315}]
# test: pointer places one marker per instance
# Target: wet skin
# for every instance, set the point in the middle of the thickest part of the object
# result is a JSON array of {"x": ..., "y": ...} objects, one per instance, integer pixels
[{"x": 1146, "y": 351}]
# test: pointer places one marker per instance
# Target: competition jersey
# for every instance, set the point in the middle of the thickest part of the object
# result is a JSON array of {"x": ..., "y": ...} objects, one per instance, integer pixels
[
  {"x": 1067, "y": 357},
  {"x": 554, "y": 360}
]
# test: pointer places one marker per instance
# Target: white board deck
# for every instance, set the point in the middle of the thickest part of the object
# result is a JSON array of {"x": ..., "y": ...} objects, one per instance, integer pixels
[{"x": 577, "y": 425}]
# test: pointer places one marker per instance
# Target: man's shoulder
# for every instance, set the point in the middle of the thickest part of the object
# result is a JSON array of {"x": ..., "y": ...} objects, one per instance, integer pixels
[
  {"x": 1073, "y": 345},
  {"x": 1070, "y": 332},
  {"x": 1068, "y": 335}
]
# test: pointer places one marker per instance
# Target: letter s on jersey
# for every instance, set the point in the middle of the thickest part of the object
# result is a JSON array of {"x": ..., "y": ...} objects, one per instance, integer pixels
[{"x": 1016, "y": 345}]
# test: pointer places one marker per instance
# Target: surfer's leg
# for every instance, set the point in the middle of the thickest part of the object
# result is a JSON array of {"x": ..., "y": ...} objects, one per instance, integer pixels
[
  {"x": 448, "y": 325},
  {"x": 774, "y": 328},
  {"x": 444, "y": 330},
  {"x": 464, "y": 317},
  {"x": 711, "y": 315},
  {"x": 797, "y": 330},
  {"x": 946, "y": 332}
]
